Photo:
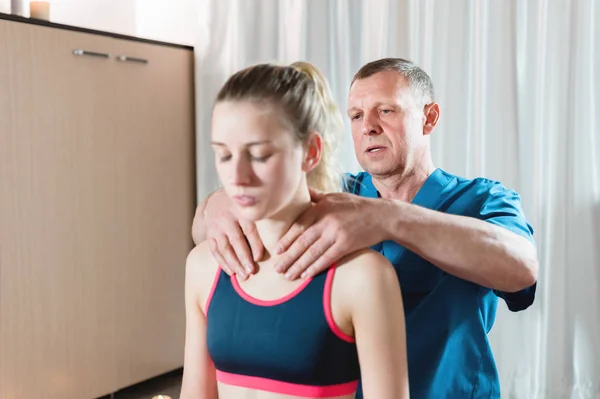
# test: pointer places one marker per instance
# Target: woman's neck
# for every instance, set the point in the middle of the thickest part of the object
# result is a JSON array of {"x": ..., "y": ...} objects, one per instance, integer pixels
[{"x": 272, "y": 229}]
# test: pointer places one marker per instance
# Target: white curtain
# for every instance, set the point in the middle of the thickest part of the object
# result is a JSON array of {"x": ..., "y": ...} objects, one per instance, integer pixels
[{"x": 517, "y": 86}]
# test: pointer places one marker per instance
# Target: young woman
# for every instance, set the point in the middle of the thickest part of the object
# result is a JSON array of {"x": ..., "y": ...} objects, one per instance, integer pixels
[{"x": 273, "y": 133}]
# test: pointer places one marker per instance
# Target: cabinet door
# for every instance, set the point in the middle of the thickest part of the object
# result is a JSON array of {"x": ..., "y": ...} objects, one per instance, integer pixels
[
  {"x": 155, "y": 131},
  {"x": 57, "y": 214}
]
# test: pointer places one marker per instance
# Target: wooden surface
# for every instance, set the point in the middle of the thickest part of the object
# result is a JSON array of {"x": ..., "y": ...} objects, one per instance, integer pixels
[
  {"x": 154, "y": 126},
  {"x": 96, "y": 203},
  {"x": 73, "y": 28}
]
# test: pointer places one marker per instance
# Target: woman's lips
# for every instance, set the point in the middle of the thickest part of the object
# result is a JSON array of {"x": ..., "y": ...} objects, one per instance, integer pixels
[{"x": 245, "y": 200}]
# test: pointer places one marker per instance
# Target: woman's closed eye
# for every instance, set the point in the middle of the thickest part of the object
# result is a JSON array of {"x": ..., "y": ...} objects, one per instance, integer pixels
[
  {"x": 262, "y": 158},
  {"x": 224, "y": 158}
]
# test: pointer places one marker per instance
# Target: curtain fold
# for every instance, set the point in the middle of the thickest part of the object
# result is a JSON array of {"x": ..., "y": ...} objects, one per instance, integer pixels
[{"x": 518, "y": 90}]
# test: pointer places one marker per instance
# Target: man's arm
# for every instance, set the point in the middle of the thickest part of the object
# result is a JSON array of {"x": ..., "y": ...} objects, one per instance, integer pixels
[
  {"x": 466, "y": 247},
  {"x": 198, "y": 226},
  {"x": 475, "y": 250}
]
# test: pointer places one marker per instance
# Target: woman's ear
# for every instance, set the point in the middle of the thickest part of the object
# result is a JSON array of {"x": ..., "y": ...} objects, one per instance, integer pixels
[{"x": 313, "y": 151}]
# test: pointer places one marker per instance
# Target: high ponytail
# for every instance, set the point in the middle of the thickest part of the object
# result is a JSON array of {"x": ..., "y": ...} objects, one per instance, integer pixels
[
  {"x": 304, "y": 96},
  {"x": 326, "y": 176}
]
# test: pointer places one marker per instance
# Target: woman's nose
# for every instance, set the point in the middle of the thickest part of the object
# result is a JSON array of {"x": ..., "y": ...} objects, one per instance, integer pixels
[{"x": 242, "y": 173}]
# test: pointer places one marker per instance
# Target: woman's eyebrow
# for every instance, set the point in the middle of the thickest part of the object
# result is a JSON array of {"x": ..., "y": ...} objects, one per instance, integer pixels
[{"x": 246, "y": 144}]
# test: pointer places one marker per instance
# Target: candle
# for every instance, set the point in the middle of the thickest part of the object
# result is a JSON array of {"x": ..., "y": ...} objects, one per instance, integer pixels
[
  {"x": 16, "y": 7},
  {"x": 162, "y": 397},
  {"x": 39, "y": 10}
]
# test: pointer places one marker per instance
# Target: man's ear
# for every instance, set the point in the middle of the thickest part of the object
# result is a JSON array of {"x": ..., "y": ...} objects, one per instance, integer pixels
[
  {"x": 313, "y": 152},
  {"x": 432, "y": 115}
]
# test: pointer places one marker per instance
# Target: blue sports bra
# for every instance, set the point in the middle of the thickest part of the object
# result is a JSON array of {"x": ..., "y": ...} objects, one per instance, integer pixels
[{"x": 289, "y": 346}]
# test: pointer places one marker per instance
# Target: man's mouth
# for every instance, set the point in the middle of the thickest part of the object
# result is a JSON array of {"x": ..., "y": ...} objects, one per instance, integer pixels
[{"x": 375, "y": 148}]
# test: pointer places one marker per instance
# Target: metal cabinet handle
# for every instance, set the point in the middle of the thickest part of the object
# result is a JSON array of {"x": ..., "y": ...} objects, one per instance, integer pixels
[
  {"x": 90, "y": 53},
  {"x": 124, "y": 58}
]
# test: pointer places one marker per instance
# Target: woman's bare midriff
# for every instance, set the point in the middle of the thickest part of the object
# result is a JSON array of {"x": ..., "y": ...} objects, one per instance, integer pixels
[{"x": 234, "y": 392}]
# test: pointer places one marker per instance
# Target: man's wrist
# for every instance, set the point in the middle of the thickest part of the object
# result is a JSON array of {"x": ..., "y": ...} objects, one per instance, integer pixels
[
  {"x": 205, "y": 205},
  {"x": 206, "y": 200},
  {"x": 392, "y": 214}
]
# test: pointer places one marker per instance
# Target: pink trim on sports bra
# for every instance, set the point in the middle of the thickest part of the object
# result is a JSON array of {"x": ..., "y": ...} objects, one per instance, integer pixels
[
  {"x": 327, "y": 306},
  {"x": 267, "y": 302},
  {"x": 287, "y": 388}
]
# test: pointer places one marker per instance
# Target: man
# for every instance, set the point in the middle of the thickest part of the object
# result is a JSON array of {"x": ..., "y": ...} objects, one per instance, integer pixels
[{"x": 457, "y": 244}]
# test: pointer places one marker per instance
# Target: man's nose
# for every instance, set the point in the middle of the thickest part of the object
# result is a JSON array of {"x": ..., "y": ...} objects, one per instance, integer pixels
[{"x": 370, "y": 126}]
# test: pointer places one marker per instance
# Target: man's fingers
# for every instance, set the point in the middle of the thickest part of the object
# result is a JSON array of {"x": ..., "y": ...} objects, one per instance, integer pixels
[
  {"x": 256, "y": 244},
  {"x": 325, "y": 261},
  {"x": 300, "y": 226},
  {"x": 298, "y": 248},
  {"x": 316, "y": 195},
  {"x": 231, "y": 259},
  {"x": 214, "y": 249},
  {"x": 289, "y": 237},
  {"x": 241, "y": 249},
  {"x": 309, "y": 258}
]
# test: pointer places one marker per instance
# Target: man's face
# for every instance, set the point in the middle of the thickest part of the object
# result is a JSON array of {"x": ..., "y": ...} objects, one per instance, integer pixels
[{"x": 387, "y": 124}]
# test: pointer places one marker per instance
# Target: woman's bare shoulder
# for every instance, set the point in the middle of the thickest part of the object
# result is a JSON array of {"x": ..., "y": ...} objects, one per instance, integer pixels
[
  {"x": 201, "y": 269},
  {"x": 364, "y": 272},
  {"x": 365, "y": 263}
]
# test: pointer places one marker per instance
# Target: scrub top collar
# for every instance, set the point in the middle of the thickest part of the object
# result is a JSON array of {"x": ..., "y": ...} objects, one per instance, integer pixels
[{"x": 428, "y": 196}]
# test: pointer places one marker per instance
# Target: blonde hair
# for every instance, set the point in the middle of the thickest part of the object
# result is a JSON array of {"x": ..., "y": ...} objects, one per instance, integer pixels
[{"x": 302, "y": 93}]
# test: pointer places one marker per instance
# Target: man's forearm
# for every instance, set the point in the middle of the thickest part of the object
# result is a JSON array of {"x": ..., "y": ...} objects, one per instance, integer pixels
[
  {"x": 469, "y": 248},
  {"x": 198, "y": 226}
]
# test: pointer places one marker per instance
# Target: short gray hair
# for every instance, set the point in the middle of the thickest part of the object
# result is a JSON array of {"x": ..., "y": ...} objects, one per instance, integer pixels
[{"x": 418, "y": 80}]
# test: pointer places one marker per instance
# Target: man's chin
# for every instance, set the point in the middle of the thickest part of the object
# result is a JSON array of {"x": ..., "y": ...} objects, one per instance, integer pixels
[{"x": 377, "y": 169}]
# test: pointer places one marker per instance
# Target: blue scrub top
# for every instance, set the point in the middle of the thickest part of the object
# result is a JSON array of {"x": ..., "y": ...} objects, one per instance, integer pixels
[{"x": 448, "y": 318}]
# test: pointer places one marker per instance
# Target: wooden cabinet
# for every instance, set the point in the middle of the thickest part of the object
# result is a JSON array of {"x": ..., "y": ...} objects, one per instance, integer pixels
[{"x": 97, "y": 194}]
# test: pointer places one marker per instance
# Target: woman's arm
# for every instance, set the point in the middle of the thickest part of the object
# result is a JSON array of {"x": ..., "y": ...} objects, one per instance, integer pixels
[
  {"x": 377, "y": 314},
  {"x": 199, "y": 379}
]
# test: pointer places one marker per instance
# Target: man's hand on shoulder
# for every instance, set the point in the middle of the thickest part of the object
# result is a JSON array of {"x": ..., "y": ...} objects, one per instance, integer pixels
[
  {"x": 234, "y": 243},
  {"x": 337, "y": 225}
]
